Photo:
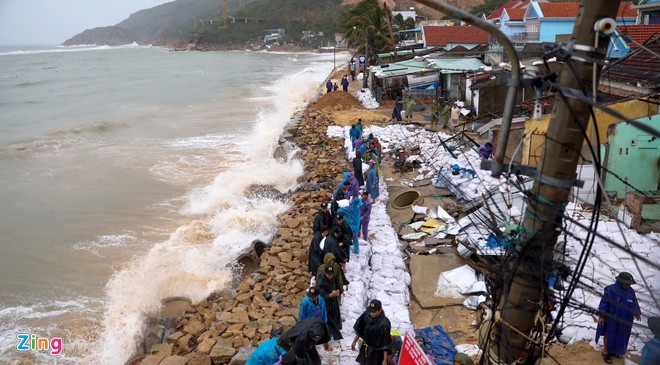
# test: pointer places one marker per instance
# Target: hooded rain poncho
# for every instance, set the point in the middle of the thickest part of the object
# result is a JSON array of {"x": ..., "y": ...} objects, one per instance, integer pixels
[
  {"x": 357, "y": 167},
  {"x": 365, "y": 216},
  {"x": 308, "y": 309},
  {"x": 372, "y": 184},
  {"x": 619, "y": 307},
  {"x": 341, "y": 279},
  {"x": 300, "y": 340},
  {"x": 266, "y": 354},
  {"x": 327, "y": 286},
  {"x": 315, "y": 253},
  {"x": 352, "y": 217},
  {"x": 354, "y": 189}
]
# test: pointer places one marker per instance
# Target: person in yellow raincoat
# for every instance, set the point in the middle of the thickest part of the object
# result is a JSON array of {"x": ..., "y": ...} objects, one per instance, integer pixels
[{"x": 410, "y": 104}]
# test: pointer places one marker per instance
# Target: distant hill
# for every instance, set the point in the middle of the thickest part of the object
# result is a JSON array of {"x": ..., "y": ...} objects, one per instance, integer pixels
[
  {"x": 179, "y": 21},
  {"x": 161, "y": 25}
]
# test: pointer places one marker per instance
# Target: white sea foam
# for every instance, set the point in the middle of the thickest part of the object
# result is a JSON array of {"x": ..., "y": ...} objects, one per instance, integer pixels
[
  {"x": 107, "y": 241},
  {"x": 42, "y": 319},
  {"x": 62, "y": 49},
  {"x": 197, "y": 259}
]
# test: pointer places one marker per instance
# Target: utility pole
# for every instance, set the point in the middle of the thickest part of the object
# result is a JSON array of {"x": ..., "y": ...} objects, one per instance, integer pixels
[{"x": 523, "y": 299}]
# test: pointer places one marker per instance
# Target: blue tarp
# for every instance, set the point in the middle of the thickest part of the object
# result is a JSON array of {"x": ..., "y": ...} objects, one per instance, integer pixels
[{"x": 437, "y": 344}]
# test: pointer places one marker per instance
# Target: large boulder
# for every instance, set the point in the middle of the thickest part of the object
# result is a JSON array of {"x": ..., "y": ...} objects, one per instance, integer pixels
[{"x": 242, "y": 356}]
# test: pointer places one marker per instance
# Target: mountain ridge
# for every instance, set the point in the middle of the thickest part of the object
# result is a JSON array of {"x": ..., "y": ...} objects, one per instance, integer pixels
[{"x": 175, "y": 22}]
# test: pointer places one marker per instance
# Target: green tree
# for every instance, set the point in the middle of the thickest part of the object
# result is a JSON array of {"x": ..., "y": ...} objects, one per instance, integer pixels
[
  {"x": 367, "y": 20},
  {"x": 398, "y": 23}
]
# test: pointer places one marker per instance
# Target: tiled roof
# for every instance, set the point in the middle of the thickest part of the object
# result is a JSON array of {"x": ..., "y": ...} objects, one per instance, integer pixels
[
  {"x": 497, "y": 14},
  {"x": 559, "y": 10},
  {"x": 645, "y": 66},
  {"x": 570, "y": 10},
  {"x": 516, "y": 14},
  {"x": 625, "y": 10},
  {"x": 639, "y": 33},
  {"x": 439, "y": 36}
]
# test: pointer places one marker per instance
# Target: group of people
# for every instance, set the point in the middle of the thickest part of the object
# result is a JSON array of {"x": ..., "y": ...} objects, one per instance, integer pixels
[
  {"x": 330, "y": 86},
  {"x": 336, "y": 232},
  {"x": 447, "y": 111},
  {"x": 336, "y": 227},
  {"x": 398, "y": 108}
]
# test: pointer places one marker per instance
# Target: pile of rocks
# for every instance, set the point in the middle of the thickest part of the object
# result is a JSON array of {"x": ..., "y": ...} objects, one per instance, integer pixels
[{"x": 266, "y": 302}]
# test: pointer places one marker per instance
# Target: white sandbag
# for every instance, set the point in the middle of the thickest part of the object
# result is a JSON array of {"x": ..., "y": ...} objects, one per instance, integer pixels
[
  {"x": 365, "y": 168},
  {"x": 478, "y": 287},
  {"x": 446, "y": 289},
  {"x": 473, "y": 301},
  {"x": 419, "y": 209},
  {"x": 461, "y": 277},
  {"x": 343, "y": 203},
  {"x": 439, "y": 213},
  {"x": 468, "y": 349}
]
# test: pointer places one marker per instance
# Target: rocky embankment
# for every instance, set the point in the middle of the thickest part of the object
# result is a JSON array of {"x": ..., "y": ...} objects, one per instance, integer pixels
[{"x": 265, "y": 303}]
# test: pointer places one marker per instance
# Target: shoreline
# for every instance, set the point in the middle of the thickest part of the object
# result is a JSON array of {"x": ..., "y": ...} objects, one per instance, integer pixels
[{"x": 267, "y": 299}]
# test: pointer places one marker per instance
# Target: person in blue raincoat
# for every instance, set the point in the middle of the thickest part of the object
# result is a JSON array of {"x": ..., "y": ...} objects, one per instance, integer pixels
[
  {"x": 312, "y": 306},
  {"x": 372, "y": 181},
  {"x": 355, "y": 133},
  {"x": 352, "y": 216},
  {"x": 617, "y": 308},
  {"x": 651, "y": 351},
  {"x": 396, "y": 112},
  {"x": 268, "y": 353}
]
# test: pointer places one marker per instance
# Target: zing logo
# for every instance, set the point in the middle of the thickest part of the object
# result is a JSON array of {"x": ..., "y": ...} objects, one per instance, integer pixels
[{"x": 30, "y": 342}]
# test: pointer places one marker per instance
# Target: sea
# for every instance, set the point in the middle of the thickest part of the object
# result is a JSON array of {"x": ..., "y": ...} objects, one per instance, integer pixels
[{"x": 127, "y": 176}]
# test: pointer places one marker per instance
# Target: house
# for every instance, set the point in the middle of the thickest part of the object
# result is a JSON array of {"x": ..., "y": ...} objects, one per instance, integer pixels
[
  {"x": 648, "y": 12},
  {"x": 487, "y": 94},
  {"x": 636, "y": 73},
  {"x": 448, "y": 37},
  {"x": 423, "y": 77},
  {"x": 496, "y": 16},
  {"x": 627, "y": 38},
  {"x": 544, "y": 21},
  {"x": 634, "y": 156},
  {"x": 513, "y": 23},
  {"x": 510, "y": 18}
]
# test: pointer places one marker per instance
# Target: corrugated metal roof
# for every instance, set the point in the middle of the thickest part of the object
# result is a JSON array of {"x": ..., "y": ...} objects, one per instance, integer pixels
[
  {"x": 444, "y": 65},
  {"x": 457, "y": 65},
  {"x": 403, "y": 68},
  {"x": 405, "y": 53}
]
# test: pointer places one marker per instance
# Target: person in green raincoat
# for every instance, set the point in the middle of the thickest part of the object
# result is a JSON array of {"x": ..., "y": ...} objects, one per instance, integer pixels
[
  {"x": 371, "y": 155},
  {"x": 446, "y": 111},
  {"x": 410, "y": 104},
  {"x": 435, "y": 114}
]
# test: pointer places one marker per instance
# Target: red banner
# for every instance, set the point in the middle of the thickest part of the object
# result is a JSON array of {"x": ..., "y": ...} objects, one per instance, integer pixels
[{"x": 412, "y": 353}]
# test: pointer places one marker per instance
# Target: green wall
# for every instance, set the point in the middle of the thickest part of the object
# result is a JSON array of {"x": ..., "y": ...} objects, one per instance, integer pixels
[{"x": 635, "y": 155}]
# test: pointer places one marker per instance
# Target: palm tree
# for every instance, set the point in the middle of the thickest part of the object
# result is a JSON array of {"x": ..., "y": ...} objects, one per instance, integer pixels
[{"x": 367, "y": 20}]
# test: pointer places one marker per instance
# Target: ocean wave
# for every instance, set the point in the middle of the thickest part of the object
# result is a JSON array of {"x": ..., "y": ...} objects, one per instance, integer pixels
[
  {"x": 59, "y": 139},
  {"x": 198, "y": 258},
  {"x": 44, "y": 319},
  {"x": 79, "y": 48},
  {"x": 105, "y": 242},
  {"x": 211, "y": 155}
]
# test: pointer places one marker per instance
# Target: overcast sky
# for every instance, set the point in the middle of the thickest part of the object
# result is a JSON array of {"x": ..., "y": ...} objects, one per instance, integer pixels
[{"x": 47, "y": 22}]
